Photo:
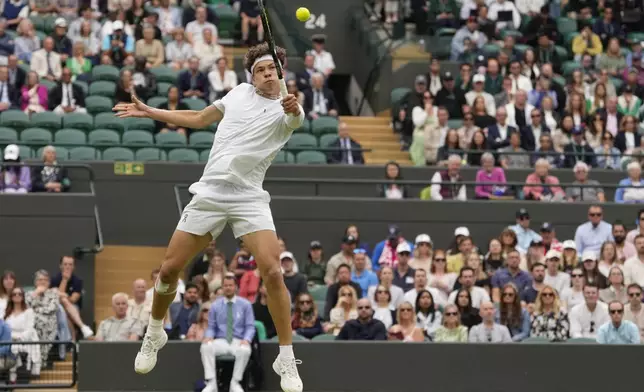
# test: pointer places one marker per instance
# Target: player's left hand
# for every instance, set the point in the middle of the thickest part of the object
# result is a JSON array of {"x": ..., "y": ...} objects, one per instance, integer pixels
[{"x": 290, "y": 105}]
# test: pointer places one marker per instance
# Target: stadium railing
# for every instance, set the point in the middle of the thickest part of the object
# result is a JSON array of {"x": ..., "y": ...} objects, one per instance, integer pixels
[{"x": 18, "y": 370}]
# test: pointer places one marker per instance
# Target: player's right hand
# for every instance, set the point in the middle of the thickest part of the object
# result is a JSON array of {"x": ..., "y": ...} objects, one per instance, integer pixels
[{"x": 134, "y": 109}]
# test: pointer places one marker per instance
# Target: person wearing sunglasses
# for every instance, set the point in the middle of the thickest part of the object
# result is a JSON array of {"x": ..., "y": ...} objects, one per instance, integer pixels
[
  {"x": 197, "y": 330},
  {"x": 525, "y": 235},
  {"x": 633, "y": 309},
  {"x": 306, "y": 320},
  {"x": 573, "y": 295},
  {"x": 365, "y": 326},
  {"x": 550, "y": 319},
  {"x": 592, "y": 234},
  {"x": 345, "y": 309},
  {"x": 618, "y": 330},
  {"x": 489, "y": 331},
  {"x": 451, "y": 331},
  {"x": 511, "y": 314},
  {"x": 616, "y": 290},
  {"x": 406, "y": 329},
  {"x": 439, "y": 278},
  {"x": 587, "y": 317},
  {"x": 20, "y": 318}
]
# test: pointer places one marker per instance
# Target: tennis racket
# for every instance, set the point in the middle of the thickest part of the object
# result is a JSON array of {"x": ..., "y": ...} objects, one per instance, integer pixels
[{"x": 268, "y": 36}]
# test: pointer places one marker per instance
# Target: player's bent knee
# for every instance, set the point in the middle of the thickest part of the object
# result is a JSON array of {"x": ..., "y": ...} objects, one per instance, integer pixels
[{"x": 272, "y": 275}]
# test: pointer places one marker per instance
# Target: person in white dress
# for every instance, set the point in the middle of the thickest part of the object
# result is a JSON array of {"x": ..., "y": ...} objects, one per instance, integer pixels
[
  {"x": 20, "y": 317},
  {"x": 255, "y": 122},
  {"x": 439, "y": 278},
  {"x": 573, "y": 295},
  {"x": 383, "y": 308}
]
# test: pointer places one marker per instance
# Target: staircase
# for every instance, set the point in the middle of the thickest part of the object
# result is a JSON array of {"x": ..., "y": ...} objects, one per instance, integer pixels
[
  {"x": 375, "y": 133},
  {"x": 62, "y": 373}
]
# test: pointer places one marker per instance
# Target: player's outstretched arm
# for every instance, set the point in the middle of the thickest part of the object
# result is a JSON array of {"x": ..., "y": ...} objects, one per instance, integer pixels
[{"x": 184, "y": 118}]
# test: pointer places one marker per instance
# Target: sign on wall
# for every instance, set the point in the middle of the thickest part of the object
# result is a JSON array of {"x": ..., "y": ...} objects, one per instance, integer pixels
[{"x": 129, "y": 168}]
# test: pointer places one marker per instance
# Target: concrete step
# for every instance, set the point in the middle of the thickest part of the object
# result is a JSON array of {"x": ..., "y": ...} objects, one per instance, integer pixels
[
  {"x": 67, "y": 365},
  {"x": 365, "y": 120}
]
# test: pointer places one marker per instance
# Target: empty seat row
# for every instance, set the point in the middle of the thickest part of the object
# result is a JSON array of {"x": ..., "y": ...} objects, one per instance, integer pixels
[
  {"x": 153, "y": 154},
  {"x": 307, "y": 141}
]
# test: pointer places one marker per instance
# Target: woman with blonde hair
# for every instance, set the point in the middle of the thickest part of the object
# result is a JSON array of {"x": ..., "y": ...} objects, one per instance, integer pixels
[
  {"x": 616, "y": 290},
  {"x": 451, "y": 331},
  {"x": 345, "y": 309},
  {"x": 216, "y": 269},
  {"x": 422, "y": 253},
  {"x": 27, "y": 41},
  {"x": 598, "y": 99},
  {"x": 549, "y": 318},
  {"x": 406, "y": 328},
  {"x": 197, "y": 330},
  {"x": 576, "y": 108},
  {"x": 570, "y": 258},
  {"x": 607, "y": 258}
]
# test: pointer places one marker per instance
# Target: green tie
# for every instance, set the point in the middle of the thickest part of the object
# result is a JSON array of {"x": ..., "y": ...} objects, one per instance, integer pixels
[{"x": 229, "y": 322}]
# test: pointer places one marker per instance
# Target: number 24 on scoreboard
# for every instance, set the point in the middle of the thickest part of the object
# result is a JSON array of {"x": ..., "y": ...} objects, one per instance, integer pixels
[{"x": 316, "y": 22}]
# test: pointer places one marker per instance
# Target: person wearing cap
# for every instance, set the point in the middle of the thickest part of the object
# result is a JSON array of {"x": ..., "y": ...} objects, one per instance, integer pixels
[
  {"x": 549, "y": 238},
  {"x": 403, "y": 273},
  {"x": 634, "y": 267},
  {"x": 451, "y": 97},
  {"x": 468, "y": 31},
  {"x": 345, "y": 256},
  {"x": 364, "y": 277},
  {"x": 117, "y": 44},
  {"x": 46, "y": 62},
  {"x": 456, "y": 261},
  {"x": 314, "y": 266},
  {"x": 323, "y": 58},
  {"x": 17, "y": 177},
  {"x": 62, "y": 43},
  {"x": 510, "y": 274},
  {"x": 628, "y": 103},
  {"x": 385, "y": 251},
  {"x": 525, "y": 235},
  {"x": 422, "y": 253},
  {"x": 590, "y": 269},
  {"x": 535, "y": 255},
  {"x": 586, "y": 42},
  {"x": 554, "y": 276},
  {"x": 478, "y": 90},
  {"x": 592, "y": 190},
  {"x": 578, "y": 150},
  {"x": 295, "y": 282},
  {"x": 592, "y": 234}
]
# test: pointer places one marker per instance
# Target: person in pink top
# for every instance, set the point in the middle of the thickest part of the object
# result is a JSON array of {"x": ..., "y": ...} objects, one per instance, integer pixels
[
  {"x": 495, "y": 176},
  {"x": 542, "y": 186},
  {"x": 33, "y": 96}
]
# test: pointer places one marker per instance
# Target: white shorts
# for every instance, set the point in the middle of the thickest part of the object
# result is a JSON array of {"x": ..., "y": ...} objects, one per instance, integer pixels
[{"x": 209, "y": 215}]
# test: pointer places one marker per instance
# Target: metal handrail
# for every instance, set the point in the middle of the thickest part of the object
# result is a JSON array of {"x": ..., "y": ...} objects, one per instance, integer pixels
[
  {"x": 546, "y": 153},
  {"x": 99, "y": 232},
  {"x": 74, "y": 376}
]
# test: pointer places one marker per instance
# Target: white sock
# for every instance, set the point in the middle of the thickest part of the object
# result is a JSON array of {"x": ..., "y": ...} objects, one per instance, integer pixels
[
  {"x": 155, "y": 326},
  {"x": 286, "y": 351}
]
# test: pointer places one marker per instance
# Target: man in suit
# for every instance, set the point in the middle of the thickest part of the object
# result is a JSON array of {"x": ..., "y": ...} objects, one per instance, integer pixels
[
  {"x": 45, "y": 62},
  {"x": 17, "y": 75},
  {"x": 193, "y": 83},
  {"x": 9, "y": 95},
  {"x": 66, "y": 97},
  {"x": 346, "y": 150},
  {"x": 530, "y": 134},
  {"x": 607, "y": 28},
  {"x": 611, "y": 116},
  {"x": 304, "y": 77},
  {"x": 578, "y": 150},
  {"x": 498, "y": 135},
  {"x": 319, "y": 100}
]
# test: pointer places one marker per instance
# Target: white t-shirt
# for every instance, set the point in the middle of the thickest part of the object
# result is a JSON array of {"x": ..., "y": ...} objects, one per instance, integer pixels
[
  {"x": 559, "y": 281},
  {"x": 197, "y": 29},
  {"x": 571, "y": 297},
  {"x": 253, "y": 130},
  {"x": 584, "y": 323},
  {"x": 633, "y": 271}
]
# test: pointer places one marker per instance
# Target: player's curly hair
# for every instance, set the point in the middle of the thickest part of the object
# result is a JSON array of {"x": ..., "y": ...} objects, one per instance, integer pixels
[{"x": 260, "y": 50}]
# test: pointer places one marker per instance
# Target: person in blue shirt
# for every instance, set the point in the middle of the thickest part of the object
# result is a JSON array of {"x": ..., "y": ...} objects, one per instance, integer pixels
[
  {"x": 630, "y": 189},
  {"x": 231, "y": 328},
  {"x": 592, "y": 234},
  {"x": 618, "y": 330},
  {"x": 183, "y": 314},
  {"x": 525, "y": 235},
  {"x": 7, "y": 360},
  {"x": 361, "y": 275}
]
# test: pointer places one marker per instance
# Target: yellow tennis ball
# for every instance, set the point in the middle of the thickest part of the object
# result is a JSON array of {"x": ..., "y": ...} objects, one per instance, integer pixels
[{"x": 302, "y": 14}]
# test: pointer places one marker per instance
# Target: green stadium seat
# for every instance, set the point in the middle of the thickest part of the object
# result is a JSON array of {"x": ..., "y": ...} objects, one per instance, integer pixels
[
  {"x": 536, "y": 340},
  {"x": 108, "y": 73},
  {"x": 521, "y": 48},
  {"x": 38, "y": 21},
  {"x": 8, "y": 135},
  {"x": 83, "y": 85},
  {"x": 562, "y": 52},
  {"x": 617, "y": 82},
  {"x": 320, "y": 305},
  {"x": 118, "y": 154},
  {"x": 318, "y": 293},
  {"x": 26, "y": 152},
  {"x": 446, "y": 32},
  {"x": 323, "y": 125},
  {"x": 165, "y": 74},
  {"x": 261, "y": 330},
  {"x": 300, "y": 140},
  {"x": 310, "y": 157},
  {"x": 103, "y": 137},
  {"x": 581, "y": 341},
  {"x": 155, "y": 102},
  {"x": 150, "y": 154},
  {"x": 62, "y": 154},
  {"x": 41, "y": 35},
  {"x": 138, "y": 138},
  {"x": 47, "y": 120},
  {"x": 635, "y": 36},
  {"x": 568, "y": 39},
  {"x": 228, "y": 20},
  {"x": 84, "y": 154},
  {"x": 305, "y": 128},
  {"x": 441, "y": 47},
  {"x": 201, "y": 139},
  {"x": 49, "y": 85},
  {"x": 96, "y": 104},
  {"x": 511, "y": 33},
  {"x": 103, "y": 88},
  {"x": 50, "y": 24},
  {"x": 81, "y": 121},
  {"x": 36, "y": 135},
  {"x": 560, "y": 80},
  {"x": 183, "y": 155},
  {"x": 490, "y": 50},
  {"x": 455, "y": 123},
  {"x": 212, "y": 128},
  {"x": 14, "y": 119},
  {"x": 566, "y": 25},
  {"x": 162, "y": 88},
  {"x": 25, "y": 67},
  {"x": 324, "y": 338},
  {"x": 171, "y": 139},
  {"x": 109, "y": 121},
  {"x": 204, "y": 155},
  {"x": 398, "y": 95},
  {"x": 284, "y": 157},
  {"x": 195, "y": 104},
  {"x": 70, "y": 137},
  {"x": 327, "y": 139},
  {"x": 146, "y": 124},
  {"x": 568, "y": 67}
]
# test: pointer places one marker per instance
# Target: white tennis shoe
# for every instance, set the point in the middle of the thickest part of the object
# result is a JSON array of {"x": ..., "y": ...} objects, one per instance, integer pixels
[
  {"x": 286, "y": 368},
  {"x": 146, "y": 359}
]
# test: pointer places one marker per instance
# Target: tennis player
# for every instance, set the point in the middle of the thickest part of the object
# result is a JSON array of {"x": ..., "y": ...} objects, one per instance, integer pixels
[{"x": 254, "y": 124}]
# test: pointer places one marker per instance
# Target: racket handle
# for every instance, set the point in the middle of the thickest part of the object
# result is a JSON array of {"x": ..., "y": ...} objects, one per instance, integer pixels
[{"x": 283, "y": 90}]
